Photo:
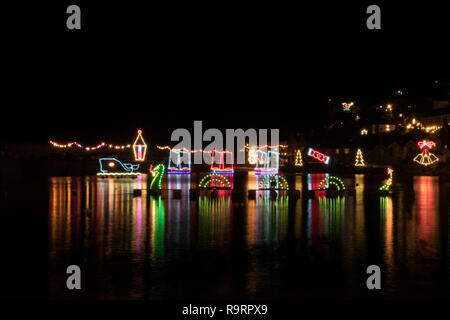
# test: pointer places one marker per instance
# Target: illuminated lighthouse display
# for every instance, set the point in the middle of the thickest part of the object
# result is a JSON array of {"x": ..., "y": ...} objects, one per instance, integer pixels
[{"x": 139, "y": 147}]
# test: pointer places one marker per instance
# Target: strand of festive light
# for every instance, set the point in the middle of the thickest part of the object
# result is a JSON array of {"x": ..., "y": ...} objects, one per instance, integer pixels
[
  {"x": 99, "y": 146},
  {"x": 280, "y": 146},
  {"x": 113, "y": 174}
]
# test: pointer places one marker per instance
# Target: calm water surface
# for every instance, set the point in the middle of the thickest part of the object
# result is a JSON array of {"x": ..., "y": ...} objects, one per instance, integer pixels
[{"x": 158, "y": 248}]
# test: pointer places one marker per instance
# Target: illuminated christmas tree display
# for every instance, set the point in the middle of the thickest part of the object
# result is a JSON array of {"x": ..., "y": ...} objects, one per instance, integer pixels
[
  {"x": 426, "y": 158},
  {"x": 298, "y": 159},
  {"x": 139, "y": 147},
  {"x": 359, "y": 162}
]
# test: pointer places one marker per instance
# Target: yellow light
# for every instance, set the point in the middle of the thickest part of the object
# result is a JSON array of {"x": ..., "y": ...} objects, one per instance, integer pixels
[{"x": 111, "y": 164}]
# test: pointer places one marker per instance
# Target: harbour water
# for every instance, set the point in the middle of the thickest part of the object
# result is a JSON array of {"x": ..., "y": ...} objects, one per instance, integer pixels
[{"x": 152, "y": 247}]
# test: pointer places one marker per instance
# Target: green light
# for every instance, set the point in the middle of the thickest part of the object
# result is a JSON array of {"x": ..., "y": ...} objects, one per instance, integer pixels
[
  {"x": 158, "y": 173},
  {"x": 274, "y": 178},
  {"x": 333, "y": 181},
  {"x": 214, "y": 177}
]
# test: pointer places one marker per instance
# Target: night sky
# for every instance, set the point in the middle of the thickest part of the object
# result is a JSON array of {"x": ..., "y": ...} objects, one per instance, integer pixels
[{"x": 160, "y": 68}]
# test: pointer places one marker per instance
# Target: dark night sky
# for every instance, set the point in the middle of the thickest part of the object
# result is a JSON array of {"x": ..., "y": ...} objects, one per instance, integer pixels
[{"x": 161, "y": 68}]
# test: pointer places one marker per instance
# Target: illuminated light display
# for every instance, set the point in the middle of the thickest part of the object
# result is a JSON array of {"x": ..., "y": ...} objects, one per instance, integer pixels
[
  {"x": 331, "y": 180},
  {"x": 298, "y": 159},
  {"x": 157, "y": 174},
  {"x": 93, "y": 148},
  {"x": 318, "y": 156},
  {"x": 139, "y": 147},
  {"x": 214, "y": 178},
  {"x": 277, "y": 147},
  {"x": 268, "y": 161},
  {"x": 253, "y": 156},
  {"x": 426, "y": 158},
  {"x": 114, "y": 167},
  {"x": 414, "y": 124},
  {"x": 273, "y": 181},
  {"x": 364, "y": 132},
  {"x": 359, "y": 161},
  {"x": 176, "y": 164},
  {"x": 106, "y": 163},
  {"x": 347, "y": 106},
  {"x": 221, "y": 167},
  {"x": 387, "y": 185}
]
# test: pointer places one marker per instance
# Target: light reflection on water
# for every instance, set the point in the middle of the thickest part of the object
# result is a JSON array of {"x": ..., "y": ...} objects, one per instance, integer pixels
[{"x": 257, "y": 248}]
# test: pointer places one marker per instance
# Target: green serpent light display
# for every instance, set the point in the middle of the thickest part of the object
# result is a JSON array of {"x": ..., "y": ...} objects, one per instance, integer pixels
[{"x": 157, "y": 173}]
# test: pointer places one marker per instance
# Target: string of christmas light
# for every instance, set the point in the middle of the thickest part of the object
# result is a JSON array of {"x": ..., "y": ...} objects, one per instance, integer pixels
[
  {"x": 99, "y": 146},
  {"x": 414, "y": 124},
  {"x": 183, "y": 149},
  {"x": 210, "y": 151},
  {"x": 359, "y": 161},
  {"x": 280, "y": 146},
  {"x": 426, "y": 158}
]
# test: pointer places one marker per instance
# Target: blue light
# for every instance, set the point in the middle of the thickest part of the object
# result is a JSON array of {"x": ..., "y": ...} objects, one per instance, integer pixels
[
  {"x": 128, "y": 167},
  {"x": 222, "y": 172}
]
